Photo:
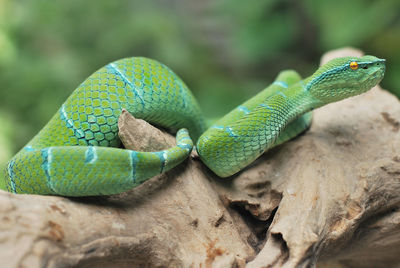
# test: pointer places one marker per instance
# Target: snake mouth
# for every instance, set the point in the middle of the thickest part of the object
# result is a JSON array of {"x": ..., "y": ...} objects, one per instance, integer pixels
[
  {"x": 375, "y": 73},
  {"x": 377, "y": 76}
]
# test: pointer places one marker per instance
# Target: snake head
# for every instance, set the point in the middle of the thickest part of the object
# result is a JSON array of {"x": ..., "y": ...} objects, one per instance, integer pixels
[{"x": 345, "y": 77}]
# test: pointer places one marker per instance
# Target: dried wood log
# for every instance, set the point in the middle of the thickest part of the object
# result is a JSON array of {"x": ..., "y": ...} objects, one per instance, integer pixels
[
  {"x": 336, "y": 182},
  {"x": 330, "y": 195}
]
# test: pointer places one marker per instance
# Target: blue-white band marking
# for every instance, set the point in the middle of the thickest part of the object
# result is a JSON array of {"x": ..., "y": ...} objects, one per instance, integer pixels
[
  {"x": 280, "y": 83},
  {"x": 183, "y": 136},
  {"x": 114, "y": 69},
  {"x": 244, "y": 109},
  {"x": 266, "y": 106},
  {"x": 228, "y": 130},
  {"x": 281, "y": 93},
  {"x": 303, "y": 86},
  {"x": 182, "y": 91},
  {"x": 163, "y": 158},
  {"x": 29, "y": 148},
  {"x": 218, "y": 127},
  {"x": 183, "y": 140},
  {"x": 185, "y": 146},
  {"x": 47, "y": 158},
  {"x": 11, "y": 174},
  {"x": 70, "y": 124},
  {"x": 90, "y": 155},
  {"x": 134, "y": 162}
]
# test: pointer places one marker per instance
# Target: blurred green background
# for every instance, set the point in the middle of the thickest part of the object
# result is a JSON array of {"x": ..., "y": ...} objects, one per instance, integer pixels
[{"x": 224, "y": 50}]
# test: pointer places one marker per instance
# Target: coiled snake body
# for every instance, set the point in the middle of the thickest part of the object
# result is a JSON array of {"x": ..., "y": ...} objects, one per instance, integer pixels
[{"x": 77, "y": 154}]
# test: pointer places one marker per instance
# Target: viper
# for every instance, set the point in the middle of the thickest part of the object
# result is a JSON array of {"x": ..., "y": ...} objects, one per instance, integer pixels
[{"x": 78, "y": 152}]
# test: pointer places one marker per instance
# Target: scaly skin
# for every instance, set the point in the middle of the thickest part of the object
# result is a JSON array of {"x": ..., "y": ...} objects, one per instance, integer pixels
[
  {"x": 70, "y": 155},
  {"x": 257, "y": 128}
]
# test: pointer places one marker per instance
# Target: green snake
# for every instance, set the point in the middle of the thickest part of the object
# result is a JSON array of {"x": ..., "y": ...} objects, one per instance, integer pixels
[{"x": 78, "y": 152}]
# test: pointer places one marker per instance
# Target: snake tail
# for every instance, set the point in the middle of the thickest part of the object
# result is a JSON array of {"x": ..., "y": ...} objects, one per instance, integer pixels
[{"x": 106, "y": 170}]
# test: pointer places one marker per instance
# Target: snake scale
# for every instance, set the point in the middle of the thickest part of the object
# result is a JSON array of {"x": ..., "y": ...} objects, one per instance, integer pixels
[{"x": 78, "y": 152}]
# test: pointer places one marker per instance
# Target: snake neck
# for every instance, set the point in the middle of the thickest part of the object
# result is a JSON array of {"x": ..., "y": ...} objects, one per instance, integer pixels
[
  {"x": 228, "y": 148},
  {"x": 299, "y": 100}
]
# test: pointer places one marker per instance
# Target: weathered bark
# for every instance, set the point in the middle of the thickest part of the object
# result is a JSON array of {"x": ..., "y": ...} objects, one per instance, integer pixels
[{"x": 330, "y": 195}]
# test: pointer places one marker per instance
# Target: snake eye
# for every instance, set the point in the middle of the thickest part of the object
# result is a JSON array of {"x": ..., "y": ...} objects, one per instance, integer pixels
[{"x": 354, "y": 65}]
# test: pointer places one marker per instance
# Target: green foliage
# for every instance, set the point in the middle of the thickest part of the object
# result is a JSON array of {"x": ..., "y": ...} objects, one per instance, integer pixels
[{"x": 224, "y": 50}]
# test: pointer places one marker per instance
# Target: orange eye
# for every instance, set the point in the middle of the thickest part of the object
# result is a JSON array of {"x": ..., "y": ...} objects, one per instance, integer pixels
[{"x": 354, "y": 65}]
